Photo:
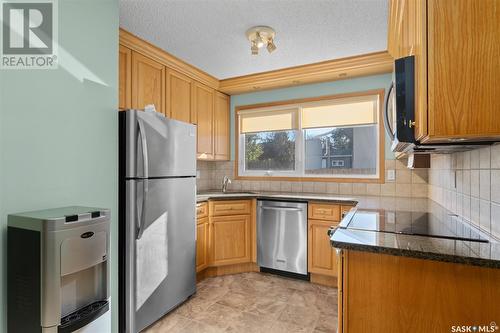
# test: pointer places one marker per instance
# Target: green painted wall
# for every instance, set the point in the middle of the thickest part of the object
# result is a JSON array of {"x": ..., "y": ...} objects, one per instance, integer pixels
[
  {"x": 58, "y": 128},
  {"x": 312, "y": 90}
]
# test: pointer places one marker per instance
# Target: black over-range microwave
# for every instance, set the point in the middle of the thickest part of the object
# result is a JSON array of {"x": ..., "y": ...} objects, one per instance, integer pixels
[{"x": 399, "y": 116}]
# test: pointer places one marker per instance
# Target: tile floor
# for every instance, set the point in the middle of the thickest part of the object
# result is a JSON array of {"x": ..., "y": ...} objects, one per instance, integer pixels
[{"x": 254, "y": 302}]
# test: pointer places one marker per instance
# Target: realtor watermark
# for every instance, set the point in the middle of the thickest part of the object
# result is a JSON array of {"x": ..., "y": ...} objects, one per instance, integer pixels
[
  {"x": 29, "y": 34},
  {"x": 489, "y": 328}
]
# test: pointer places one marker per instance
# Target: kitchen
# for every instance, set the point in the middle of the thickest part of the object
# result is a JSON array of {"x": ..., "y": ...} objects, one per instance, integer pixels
[{"x": 334, "y": 172}]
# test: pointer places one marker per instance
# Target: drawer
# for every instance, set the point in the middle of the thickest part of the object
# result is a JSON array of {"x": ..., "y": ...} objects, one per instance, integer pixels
[
  {"x": 322, "y": 211},
  {"x": 230, "y": 207},
  {"x": 201, "y": 210}
]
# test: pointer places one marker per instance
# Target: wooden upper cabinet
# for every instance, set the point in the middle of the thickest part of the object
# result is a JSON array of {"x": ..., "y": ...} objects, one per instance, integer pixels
[
  {"x": 204, "y": 106},
  {"x": 221, "y": 127},
  {"x": 124, "y": 78},
  {"x": 464, "y": 66},
  {"x": 148, "y": 82},
  {"x": 179, "y": 96},
  {"x": 457, "y": 62},
  {"x": 407, "y": 36}
]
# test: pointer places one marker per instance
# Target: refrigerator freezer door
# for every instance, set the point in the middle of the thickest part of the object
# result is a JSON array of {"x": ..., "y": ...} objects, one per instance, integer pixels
[
  {"x": 158, "y": 147},
  {"x": 160, "y": 268}
]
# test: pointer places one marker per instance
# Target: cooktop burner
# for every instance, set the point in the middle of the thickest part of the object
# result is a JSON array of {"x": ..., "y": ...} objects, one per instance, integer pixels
[{"x": 414, "y": 223}]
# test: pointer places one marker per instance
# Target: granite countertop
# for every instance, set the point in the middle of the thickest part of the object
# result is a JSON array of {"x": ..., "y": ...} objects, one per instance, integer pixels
[
  {"x": 485, "y": 254},
  {"x": 217, "y": 195}
]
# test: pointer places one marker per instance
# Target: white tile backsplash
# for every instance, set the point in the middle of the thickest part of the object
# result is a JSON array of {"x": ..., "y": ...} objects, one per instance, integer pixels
[
  {"x": 477, "y": 192},
  {"x": 408, "y": 183}
]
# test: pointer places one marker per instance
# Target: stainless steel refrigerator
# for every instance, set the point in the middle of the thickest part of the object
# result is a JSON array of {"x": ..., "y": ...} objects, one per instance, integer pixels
[{"x": 157, "y": 185}]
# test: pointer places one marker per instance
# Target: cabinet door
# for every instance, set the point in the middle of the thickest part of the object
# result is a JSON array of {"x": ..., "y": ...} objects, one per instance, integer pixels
[
  {"x": 179, "y": 96},
  {"x": 407, "y": 36},
  {"x": 464, "y": 65},
  {"x": 221, "y": 126},
  {"x": 230, "y": 240},
  {"x": 204, "y": 104},
  {"x": 321, "y": 255},
  {"x": 124, "y": 78},
  {"x": 201, "y": 244},
  {"x": 148, "y": 82}
]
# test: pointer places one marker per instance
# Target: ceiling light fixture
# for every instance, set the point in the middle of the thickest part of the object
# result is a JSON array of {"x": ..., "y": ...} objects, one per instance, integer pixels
[{"x": 260, "y": 36}]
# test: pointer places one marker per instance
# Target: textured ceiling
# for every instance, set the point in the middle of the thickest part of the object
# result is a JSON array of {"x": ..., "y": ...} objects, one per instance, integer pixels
[{"x": 210, "y": 34}]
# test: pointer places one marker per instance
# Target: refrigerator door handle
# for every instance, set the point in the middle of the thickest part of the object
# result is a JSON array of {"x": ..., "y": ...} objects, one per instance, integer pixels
[
  {"x": 142, "y": 219},
  {"x": 144, "y": 144}
]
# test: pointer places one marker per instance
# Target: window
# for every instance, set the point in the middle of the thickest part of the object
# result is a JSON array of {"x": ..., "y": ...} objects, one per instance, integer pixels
[{"x": 335, "y": 137}]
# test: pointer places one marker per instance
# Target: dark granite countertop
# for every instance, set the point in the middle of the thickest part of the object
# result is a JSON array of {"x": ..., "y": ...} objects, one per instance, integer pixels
[
  {"x": 485, "y": 254},
  {"x": 217, "y": 195}
]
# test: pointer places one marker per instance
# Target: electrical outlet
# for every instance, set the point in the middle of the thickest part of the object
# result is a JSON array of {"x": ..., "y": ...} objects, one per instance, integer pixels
[
  {"x": 198, "y": 174},
  {"x": 391, "y": 174}
]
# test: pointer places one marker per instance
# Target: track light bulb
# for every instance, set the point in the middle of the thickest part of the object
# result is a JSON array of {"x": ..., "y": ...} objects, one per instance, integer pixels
[
  {"x": 271, "y": 47},
  {"x": 259, "y": 40},
  {"x": 254, "y": 49}
]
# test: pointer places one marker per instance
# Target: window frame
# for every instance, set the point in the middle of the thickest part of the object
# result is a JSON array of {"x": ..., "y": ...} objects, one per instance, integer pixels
[{"x": 298, "y": 174}]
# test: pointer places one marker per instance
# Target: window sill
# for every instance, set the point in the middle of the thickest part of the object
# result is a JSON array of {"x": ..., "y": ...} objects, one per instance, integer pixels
[{"x": 378, "y": 180}]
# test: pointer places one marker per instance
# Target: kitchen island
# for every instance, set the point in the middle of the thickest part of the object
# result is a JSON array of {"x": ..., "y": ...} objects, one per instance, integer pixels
[{"x": 394, "y": 279}]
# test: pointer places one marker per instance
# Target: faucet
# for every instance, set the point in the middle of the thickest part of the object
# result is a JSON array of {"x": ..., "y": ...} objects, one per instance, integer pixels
[{"x": 226, "y": 181}]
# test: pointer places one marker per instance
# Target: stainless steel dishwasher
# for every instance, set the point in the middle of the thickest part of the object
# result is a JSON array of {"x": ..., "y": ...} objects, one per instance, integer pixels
[{"x": 282, "y": 236}]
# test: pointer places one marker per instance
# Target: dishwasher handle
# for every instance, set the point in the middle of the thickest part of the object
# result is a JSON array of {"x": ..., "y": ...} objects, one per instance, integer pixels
[{"x": 282, "y": 208}]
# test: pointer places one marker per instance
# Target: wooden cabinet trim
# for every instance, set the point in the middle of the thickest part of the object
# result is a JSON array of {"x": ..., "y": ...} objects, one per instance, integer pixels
[
  {"x": 337, "y": 69},
  {"x": 139, "y": 45},
  {"x": 125, "y": 78}
]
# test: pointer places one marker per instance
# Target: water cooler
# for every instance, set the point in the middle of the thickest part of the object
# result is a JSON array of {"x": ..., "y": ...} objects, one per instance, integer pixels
[{"x": 58, "y": 271}]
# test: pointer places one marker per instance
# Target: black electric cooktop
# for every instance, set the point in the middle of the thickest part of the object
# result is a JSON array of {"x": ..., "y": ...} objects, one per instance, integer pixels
[{"x": 414, "y": 223}]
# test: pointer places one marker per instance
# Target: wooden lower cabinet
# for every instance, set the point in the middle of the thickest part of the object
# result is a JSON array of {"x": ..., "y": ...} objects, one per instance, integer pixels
[
  {"x": 385, "y": 293},
  {"x": 321, "y": 256},
  {"x": 201, "y": 244},
  {"x": 226, "y": 241},
  {"x": 230, "y": 240}
]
